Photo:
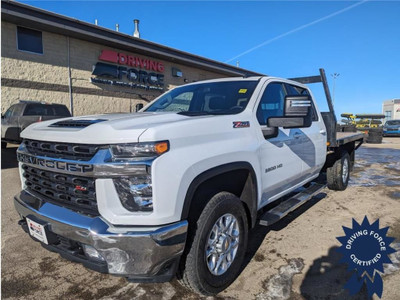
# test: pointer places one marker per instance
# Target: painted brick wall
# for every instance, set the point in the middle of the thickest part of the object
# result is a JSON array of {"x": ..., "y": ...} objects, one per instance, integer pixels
[{"x": 44, "y": 77}]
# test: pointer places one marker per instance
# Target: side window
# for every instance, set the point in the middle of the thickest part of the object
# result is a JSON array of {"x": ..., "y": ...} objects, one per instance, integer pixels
[
  {"x": 296, "y": 90},
  {"x": 60, "y": 110},
  {"x": 272, "y": 103},
  {"x": 18, "y": 109},
  {"x": 29, "y": 40},
  {"x": 9, "y": 112}
]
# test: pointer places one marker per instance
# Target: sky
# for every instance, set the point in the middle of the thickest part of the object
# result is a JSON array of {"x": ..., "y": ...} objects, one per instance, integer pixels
[{"x": 359, "y": 40}]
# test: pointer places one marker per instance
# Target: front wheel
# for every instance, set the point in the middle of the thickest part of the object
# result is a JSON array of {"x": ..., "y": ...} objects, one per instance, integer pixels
[
  {"x": 216, "y": 246},
  {"x": 339, "y": 174}
]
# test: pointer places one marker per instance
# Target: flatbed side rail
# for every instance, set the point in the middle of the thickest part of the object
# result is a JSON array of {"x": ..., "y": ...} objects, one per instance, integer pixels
[{"x": 329, "y": 117}]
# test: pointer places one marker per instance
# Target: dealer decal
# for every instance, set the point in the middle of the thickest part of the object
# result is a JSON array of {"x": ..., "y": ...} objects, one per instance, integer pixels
[
  {"x": 123, "y": 70},
  {"x": 241, "y": 124}
]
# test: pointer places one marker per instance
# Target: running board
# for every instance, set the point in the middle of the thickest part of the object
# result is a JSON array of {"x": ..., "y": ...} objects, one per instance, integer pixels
[{"x": 278, "y": 212}]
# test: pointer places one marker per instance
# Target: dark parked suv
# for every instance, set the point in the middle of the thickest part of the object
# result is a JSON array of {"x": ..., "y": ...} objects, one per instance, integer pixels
[{"x": 21, "y": 115}]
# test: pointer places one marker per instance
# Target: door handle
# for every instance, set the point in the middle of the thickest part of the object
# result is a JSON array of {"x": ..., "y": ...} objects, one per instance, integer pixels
[{"x": 323, "y": 132}]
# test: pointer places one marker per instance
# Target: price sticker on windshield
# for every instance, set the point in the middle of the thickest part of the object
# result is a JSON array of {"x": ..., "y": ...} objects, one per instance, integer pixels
[{"x": 242, "y": 91}]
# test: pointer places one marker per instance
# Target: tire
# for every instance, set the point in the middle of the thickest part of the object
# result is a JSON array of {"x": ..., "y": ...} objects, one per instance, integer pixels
[
  {"x": 195, "y": 272},
  {"x": 349, "y": 128},
  {"x": 375, "y": 136},
  {"x": 374, "y": 139},
  {"x": 375, "y": 130},
  {"x": 338, "y": 175},
  {"x": 3, "y": 145}
]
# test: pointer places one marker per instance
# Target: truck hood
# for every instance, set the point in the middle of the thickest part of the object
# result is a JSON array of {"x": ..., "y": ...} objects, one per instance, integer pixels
[{"x": 101, "y": 129}]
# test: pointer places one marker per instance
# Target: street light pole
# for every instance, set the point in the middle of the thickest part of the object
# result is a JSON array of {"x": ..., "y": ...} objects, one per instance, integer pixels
[{"x": 334, "y": 75}]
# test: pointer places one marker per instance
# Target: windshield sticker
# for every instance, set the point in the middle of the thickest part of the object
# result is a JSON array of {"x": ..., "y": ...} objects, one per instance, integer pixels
[
  {"x": 241, "y": 124},
  {"x": 242, "y": 91}
]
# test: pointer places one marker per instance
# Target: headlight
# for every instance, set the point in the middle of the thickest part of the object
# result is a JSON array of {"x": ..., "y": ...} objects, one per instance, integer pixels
[
  {"x": 138, "y": 151},
  {"x": 135, "y": 193}
]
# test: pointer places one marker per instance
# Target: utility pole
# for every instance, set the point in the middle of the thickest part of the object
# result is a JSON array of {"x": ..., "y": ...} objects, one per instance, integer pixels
[{"x": 334, "y": 75}]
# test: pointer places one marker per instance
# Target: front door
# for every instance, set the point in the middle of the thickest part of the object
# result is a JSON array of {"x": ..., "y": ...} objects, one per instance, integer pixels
[{"x": 279, "y": 156}]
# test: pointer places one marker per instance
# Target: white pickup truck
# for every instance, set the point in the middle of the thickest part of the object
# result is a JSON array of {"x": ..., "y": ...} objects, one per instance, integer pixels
[{"x": 175, "y": 188}]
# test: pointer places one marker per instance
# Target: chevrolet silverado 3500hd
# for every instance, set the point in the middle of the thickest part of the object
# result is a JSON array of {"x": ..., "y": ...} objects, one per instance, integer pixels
[{"x": 174, "y": 189}]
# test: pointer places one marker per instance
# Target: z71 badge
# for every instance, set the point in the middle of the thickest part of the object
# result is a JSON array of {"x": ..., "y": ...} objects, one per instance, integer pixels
[{"x": 241, "y": 124}]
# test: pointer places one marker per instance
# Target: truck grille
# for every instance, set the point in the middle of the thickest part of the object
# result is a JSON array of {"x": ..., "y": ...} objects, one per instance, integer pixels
[
  {"x": 61, "y": 150},
  {"x": 73, "y": 192}
]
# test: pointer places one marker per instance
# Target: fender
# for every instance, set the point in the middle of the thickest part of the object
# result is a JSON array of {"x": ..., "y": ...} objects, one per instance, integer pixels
[{"x": 250, "y": 198}]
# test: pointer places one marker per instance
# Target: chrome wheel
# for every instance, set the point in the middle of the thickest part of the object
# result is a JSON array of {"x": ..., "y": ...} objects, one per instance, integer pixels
[
  {"x": 345, "y": 170},
  {"x": 222, "y": 244}
]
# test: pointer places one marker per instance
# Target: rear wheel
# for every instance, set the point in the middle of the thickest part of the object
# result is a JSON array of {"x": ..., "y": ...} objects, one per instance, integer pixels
[
  {"x": 338, "y": 175},
  {"x": 216, "y": 246}
]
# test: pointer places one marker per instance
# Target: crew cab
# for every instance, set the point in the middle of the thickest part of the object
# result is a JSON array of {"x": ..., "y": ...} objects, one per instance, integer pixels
[{"x": 174, "y": 189}]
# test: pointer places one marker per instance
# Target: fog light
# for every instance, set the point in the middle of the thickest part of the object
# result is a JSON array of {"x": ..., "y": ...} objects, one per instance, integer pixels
[
  {"x": 135, "y": 193},
  {"x": 92, "y": 253}
]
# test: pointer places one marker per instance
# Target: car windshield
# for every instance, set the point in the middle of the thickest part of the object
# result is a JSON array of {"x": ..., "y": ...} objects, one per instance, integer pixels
[
  {"x": 222, "y": 98},
  {"x": 393, "y": 122}
]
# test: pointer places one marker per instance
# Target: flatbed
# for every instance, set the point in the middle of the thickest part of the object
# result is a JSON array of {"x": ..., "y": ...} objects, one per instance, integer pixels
[{"x": 347, "y": 137}]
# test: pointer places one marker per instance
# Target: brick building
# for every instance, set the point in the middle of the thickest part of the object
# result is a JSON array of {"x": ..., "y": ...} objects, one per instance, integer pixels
[{"x": 91, "y": 69}]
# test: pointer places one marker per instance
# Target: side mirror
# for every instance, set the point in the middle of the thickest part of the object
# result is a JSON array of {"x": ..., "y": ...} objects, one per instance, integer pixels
[
  {"x": 297, "y": 106},
  {"x": 138, "y": 107},
  {"x": 297, "y": 113}
]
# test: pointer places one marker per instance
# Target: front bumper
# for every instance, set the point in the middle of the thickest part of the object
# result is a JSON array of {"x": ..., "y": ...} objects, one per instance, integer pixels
[{"x": 140, "y": 253}]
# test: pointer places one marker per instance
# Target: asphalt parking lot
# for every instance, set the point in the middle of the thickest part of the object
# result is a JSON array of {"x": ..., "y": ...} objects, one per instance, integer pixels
[{"x": 294, "y": 259}]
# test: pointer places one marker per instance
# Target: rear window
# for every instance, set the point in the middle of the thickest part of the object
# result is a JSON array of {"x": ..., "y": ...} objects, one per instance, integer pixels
[
  {"x": 38, "y": 110},
  {"x": 61, "y": 110}
]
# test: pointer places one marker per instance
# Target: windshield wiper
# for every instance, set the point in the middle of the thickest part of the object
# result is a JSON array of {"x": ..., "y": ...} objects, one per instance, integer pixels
[{"x": 193, "y": 113}]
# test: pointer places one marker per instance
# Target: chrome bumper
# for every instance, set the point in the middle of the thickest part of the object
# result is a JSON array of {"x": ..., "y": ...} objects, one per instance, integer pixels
[{"x": 141, "y": 254}]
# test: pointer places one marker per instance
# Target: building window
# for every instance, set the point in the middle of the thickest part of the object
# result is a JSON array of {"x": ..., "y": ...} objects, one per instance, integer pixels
[
  {"x": 388, "y": 115},
  {"x": 29, "y": 40}
]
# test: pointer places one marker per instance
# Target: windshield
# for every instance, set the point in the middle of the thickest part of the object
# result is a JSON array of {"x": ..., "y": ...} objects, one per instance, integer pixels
[
  {"x": 223, "y": 98},
  {"x": 393, "y": 122}
]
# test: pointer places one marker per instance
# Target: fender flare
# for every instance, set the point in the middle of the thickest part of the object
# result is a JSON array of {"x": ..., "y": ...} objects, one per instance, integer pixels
[{"x": 250, "y": 200}]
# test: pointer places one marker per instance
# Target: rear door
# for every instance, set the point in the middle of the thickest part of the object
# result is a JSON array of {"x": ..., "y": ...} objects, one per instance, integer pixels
[{"x": 279, "y": 156}]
